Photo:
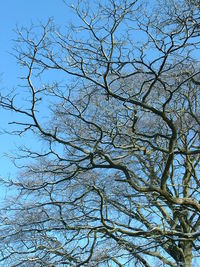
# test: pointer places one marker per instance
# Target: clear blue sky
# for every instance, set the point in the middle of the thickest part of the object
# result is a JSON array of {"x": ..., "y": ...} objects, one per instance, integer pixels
[{"x": 12, "y": 13}]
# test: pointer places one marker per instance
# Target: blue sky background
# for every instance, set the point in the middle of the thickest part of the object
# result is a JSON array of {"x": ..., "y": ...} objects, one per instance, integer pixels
[{"x": 21, "y": 13}]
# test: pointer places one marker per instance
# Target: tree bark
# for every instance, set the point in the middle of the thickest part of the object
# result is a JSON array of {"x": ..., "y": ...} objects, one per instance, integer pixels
[
  {"x": 188, "y": 254},
  {"x": 187, "y": 251}
]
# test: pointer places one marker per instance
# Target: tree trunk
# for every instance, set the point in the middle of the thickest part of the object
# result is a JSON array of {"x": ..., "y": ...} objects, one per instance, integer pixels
[
  {"x": 187, "y": 251},
  {"x": 188, "y": 254}
]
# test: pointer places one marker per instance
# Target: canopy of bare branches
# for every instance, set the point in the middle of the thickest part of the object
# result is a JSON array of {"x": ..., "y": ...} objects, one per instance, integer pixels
[{"x": 115, "y": 99}]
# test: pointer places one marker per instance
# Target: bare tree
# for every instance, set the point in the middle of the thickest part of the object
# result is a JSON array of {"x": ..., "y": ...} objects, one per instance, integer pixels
[{"x": 115, "y": 102}]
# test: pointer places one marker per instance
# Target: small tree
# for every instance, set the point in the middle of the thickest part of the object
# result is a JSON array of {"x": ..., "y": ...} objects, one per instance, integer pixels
[{"x": 116, "y": 102}]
